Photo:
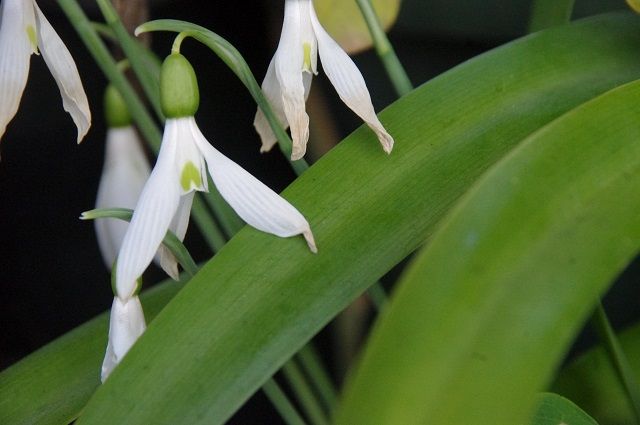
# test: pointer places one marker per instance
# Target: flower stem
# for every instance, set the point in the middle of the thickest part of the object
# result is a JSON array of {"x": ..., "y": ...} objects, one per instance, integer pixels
[
  {"x": 395, "y": 70},
  {"x": 313, "y": 367},
  {"x": 305, "y": 394},
  {"x": 132, "y": 50},
  {"x": 282, "y": 404},
  {"x": 618, "y": 360},
  {"x": 549, "y": 13}
]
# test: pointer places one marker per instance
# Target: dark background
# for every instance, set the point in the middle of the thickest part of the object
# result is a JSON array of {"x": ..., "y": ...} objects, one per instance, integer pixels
[{"x": 51, "y": 274}]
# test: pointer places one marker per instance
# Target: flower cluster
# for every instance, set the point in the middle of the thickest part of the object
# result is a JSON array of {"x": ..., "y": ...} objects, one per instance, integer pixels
[{"x": 288, "y": 79}]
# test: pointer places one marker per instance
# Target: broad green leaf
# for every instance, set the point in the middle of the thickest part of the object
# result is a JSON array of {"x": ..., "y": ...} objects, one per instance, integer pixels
[
  {"x": 343, "y": 20},
  {"x": 591, "y": 381},
  {"x": 261, "y": 298},
  {"x": 554, "y": 409},
  {"x": 481, "y": 320},
  {"x": 53, "y": 384}
]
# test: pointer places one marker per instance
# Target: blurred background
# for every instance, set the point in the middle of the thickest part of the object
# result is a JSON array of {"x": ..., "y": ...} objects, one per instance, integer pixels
[{"x": 52, "y": 277}]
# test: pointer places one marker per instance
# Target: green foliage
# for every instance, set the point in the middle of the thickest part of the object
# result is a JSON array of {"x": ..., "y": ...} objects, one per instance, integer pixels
[
  {"x": 556, "y": 410},
  {"x": 490, "y": 306},
  {"x": 523, "y": 205}
]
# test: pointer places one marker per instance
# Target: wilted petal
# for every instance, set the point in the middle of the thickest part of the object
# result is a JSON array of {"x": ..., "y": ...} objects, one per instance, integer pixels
[
  {"x": 348, "y": 82},
  {"x": 65, "y": 72},
  {"x": 178, "y": 226},
  {"x": 125, "y": 327},
  {"x": 124, "y": 173},
  {"x": 289, "y": 60},
  {"x": 254, "y": 202},
  {"x": 152, "y": 216},
  {"x": 17, "y": 23}
]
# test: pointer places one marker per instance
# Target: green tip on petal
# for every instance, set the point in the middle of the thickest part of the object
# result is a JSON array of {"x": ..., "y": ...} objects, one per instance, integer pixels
[
  {"x": 33, "y": 38},
  {"x": 190, "y": 174},
  {"x": 306, "y": 66},
  {"x": 116, "y": 112},
  {"x": 179, "y": 94}
]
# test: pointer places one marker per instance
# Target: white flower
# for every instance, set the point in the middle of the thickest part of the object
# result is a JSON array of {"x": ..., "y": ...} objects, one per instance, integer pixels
[
  {"x": 124, "y": 173},
  {"x": 126, "y": 325},
  {"x": 166, "y": 200},
  {"x": 24, "y": 29},
  {"x": 288, "y": 79}
]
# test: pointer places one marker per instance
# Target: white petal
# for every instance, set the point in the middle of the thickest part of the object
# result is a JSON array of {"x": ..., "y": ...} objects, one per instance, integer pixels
[
  {"x": 65, "y": 72},
  {"x": 188, "y": 158},
  {"x": 152, "y": 216},
  {"x": 178, "y": 226},
  {"x": 125, "y": 327},
  {"x": 348, "y": 82},
  {"x": 288, "y": 66},
  {"x": 271, "y": 90},
  {"x": 254, "y": 202},
  {"x": 124, "y": 173},
  {"x": 16, "y": 21}
]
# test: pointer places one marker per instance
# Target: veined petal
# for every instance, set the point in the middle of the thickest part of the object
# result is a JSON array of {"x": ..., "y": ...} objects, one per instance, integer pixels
[
  {"x": 124, "y": 173},
  {"x": 271, "y": 90},
  {"x": 178, "y": 226},
  {"x": 254, "y": 202},
  {"x": 65, "y": 72},
  {"x": 289, "y": 60},
  {"x": 125, "y": 327},
  {"x": 348, "y": 82},
  {"x": 152, "y": 216},
  {"x": 17, "y": 26}
]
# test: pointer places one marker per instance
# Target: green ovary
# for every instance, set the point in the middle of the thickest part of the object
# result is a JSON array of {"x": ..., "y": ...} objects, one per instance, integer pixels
[{"x": 190, "y": 174}]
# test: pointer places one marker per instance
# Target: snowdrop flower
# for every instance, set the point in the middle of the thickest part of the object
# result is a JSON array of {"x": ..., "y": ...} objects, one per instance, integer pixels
[
  {"x": 125, "y": 327},
  {"x": 24, "y": 29},
  {"x": 180, "y": 170},
  {"x": 124, "y": 173},
  {"x": 288, "y": 79}
]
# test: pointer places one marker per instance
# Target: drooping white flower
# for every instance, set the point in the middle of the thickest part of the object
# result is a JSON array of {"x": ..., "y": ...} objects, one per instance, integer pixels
[
  {"x": 185, "y": 154},
  {"x": 288, "y": 79},
  {"x": 125, "y": 327},
  {"x": 124, "y": 173},
  {"x": 24, "y": 30}
]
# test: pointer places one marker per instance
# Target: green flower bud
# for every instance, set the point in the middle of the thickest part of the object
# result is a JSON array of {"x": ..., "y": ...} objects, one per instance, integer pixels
[
  {"x": 179, "y": 94},
  {"x": 116, "y": 112}
]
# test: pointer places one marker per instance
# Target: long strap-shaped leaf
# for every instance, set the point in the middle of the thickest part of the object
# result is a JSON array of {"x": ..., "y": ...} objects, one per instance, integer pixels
[
  {"x": 261, "y": 298},
  {"x": 483, "y": 317}
]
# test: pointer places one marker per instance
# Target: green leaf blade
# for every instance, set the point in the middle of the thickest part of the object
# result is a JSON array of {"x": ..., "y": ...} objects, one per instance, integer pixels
[
  {"x": 486, "y": 312},
  {"x": 554, "y": 409}
]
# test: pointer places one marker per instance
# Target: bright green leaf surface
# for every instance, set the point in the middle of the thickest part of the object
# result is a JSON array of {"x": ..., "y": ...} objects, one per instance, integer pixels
[
  {"x": 479, "y": 323},
  {"x": 53, "y": 384},
  {"x": 549, "y": 13},
  {"x": 261, "y": 297},
  {"x": 343, "y": 20},
  {"x": 556, "y": 410},
  {"x": 592, "y": 382}
]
